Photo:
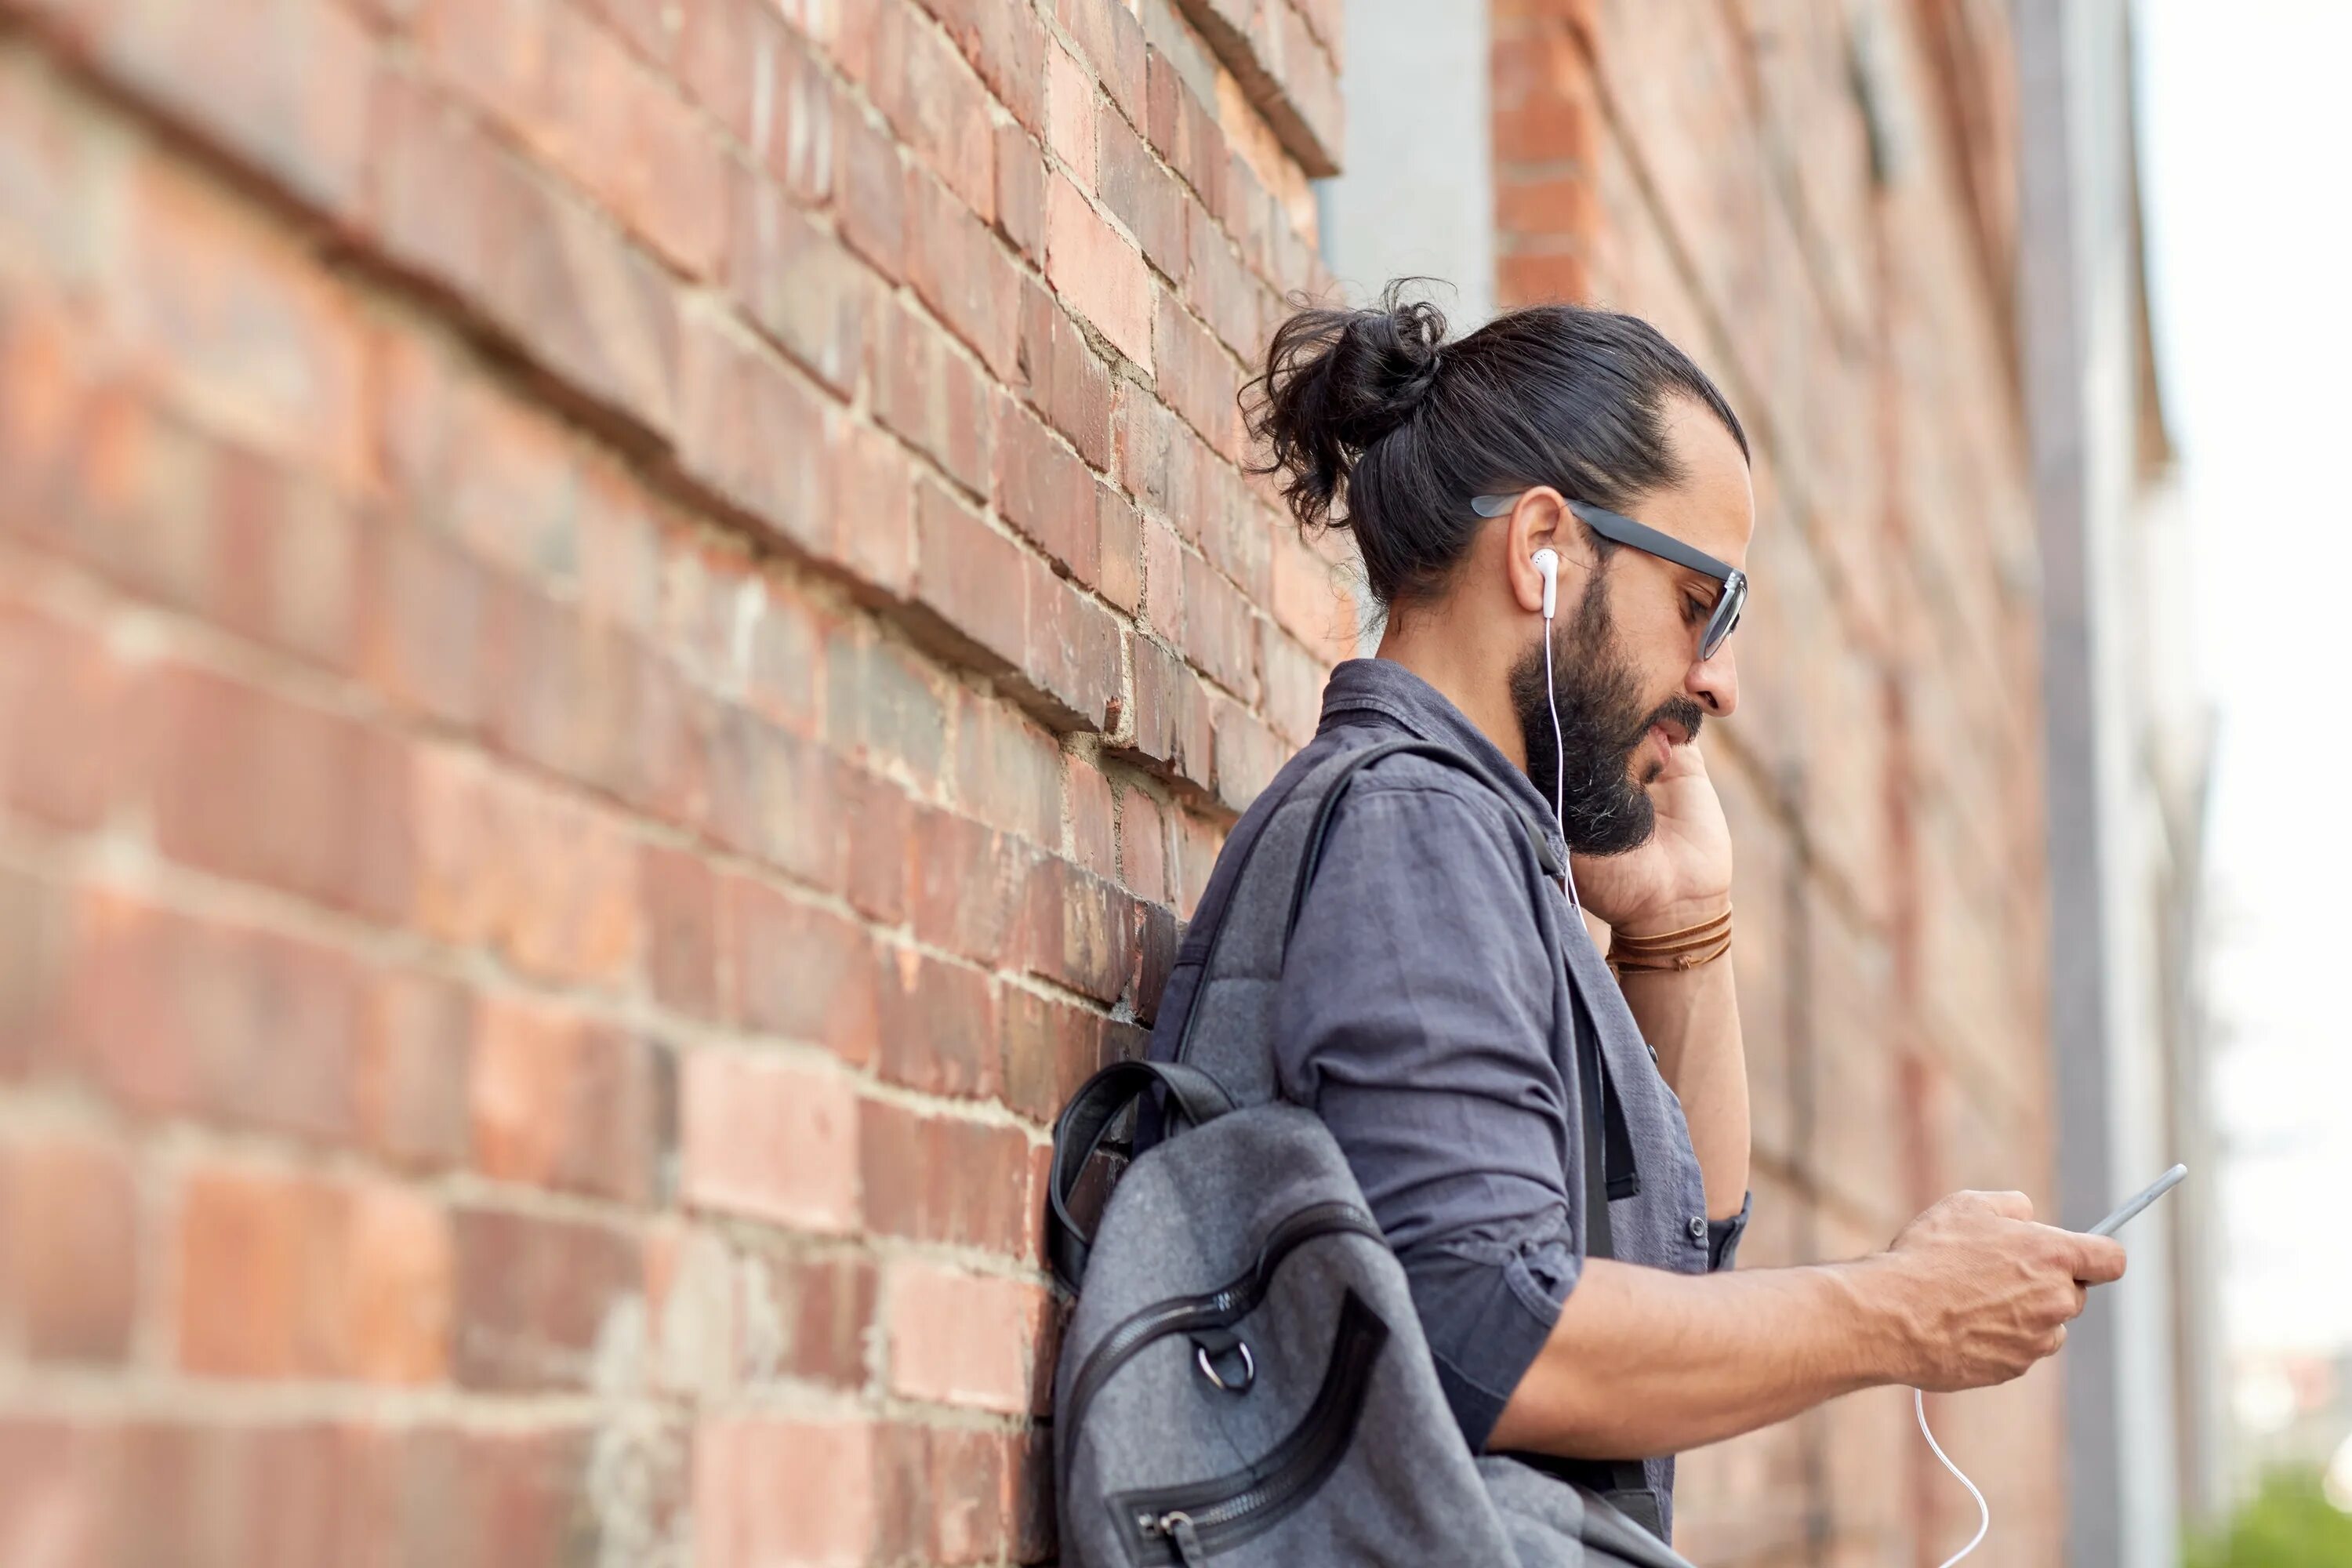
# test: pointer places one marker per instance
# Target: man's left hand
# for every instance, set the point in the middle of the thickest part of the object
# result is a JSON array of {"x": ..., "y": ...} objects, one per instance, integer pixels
[{"x": 1682, "y": 875}]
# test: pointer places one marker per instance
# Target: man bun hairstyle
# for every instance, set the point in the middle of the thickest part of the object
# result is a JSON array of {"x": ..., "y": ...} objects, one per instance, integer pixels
[{"x": 1374, "y": 423}]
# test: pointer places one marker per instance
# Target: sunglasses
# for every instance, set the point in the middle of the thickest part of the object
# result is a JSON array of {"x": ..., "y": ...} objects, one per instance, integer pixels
[{"x": 1621, "y": 530}]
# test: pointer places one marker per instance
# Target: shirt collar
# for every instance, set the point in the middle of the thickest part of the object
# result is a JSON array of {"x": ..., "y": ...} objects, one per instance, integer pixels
[{"x": 1385, "y": 687}]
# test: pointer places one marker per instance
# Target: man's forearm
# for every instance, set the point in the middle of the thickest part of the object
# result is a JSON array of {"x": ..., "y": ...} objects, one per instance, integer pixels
[
  {"x": 1644, "y": 1362},
  {"x": 1692, "y": 1018}
]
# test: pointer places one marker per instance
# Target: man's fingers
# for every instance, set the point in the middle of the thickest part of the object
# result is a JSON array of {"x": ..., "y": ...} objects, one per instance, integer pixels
[
  {"x": 2010, "y": 1205},
  {"x": 2098, "y": 1260}
]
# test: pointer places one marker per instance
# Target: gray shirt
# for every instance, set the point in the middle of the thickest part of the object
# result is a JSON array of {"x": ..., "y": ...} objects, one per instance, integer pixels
[{"x": 1425, "y": 1016}]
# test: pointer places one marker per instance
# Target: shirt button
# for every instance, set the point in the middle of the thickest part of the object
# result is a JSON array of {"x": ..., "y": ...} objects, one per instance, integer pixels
[{"x": 1698, "y": 1228}]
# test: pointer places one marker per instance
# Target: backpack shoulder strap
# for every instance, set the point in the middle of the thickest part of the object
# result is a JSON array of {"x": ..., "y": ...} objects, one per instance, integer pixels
[{"x": 1083, "y": 1124}]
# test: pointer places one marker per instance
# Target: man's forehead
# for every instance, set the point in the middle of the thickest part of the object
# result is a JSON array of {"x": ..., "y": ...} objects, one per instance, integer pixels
[{"x": 1713, "y": 507}]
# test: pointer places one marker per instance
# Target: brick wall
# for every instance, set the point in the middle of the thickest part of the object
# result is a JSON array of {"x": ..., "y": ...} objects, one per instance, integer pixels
[
  {"x": 1811, "y": 199},
  {"x": 624, "y": 626}
]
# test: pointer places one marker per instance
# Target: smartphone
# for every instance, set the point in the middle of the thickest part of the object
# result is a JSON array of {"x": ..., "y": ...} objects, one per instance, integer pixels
[{"x": 2138, "y": 1201}]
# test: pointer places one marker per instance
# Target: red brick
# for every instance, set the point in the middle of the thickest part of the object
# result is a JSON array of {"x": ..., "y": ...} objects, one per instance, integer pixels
[
  {"x": 1008, "y": 770},
  {"x": 1140, "y": 193},
  {"x": 753, "y": 433},
  {"x": 558, "y": 1101},
  {"x": 1221, "y": 289},
  {"x": 1120, "y": 528},
  {"x": 966, "y": 885},
  {"x": 880, "y": 833},
  {"x": 931, "y": 393},
  {"x": 934, "y": 104},
  {"x": 1045, "y": 491},
  {"x": 1143, "y": 847},
  {"x": 235, "y": 1025},
  {"x": 61, "y": 752},
  {"x": 1171, "y": 731},
  {"x": 958, "y": 268},
  {"x": 950, "y": 1495},
  {"x": 1021, "y": 192},
  {"x": 806, "y": 290},
  {"x": 68, "y": 1246},
  {"x": 1070, "y": 116},
  {"x": 1101, "y": 276},
  {"x": 681, "y": 923},
  {"x": 468, "y": 217},
  {"x": 874, "y": 485},
  {"x": 744, "y": 1519},
  {"x": 798, "y": 971},
  {"x": 1082, "y": 930},
  {"x": 945, "y": 1178},
  {"x": 1220, "y": 628},
  {"x": 538, "y": 1300},
  {"x": 771, "y": 798},
  {"x": 871, "y": 177},
  {"x": 1198, "y": 378},
  {"x": 962, "y": 1339},
  {"x": 805, "y": 1317},
  {"x": 36, "y": 944},
  {"x": 970, "y": 584},
  {"x": 249, "y": 786},
  {"x": 772, "y": 1139},
  {"x": 784, "y": 661},
  {"x": 1248, "y": 755},
  {"x": 415, "y": 1050},
  {"x": 1111, "y": 39},
  {"x": 1071, "y": 667},
  {"x": 937, "y": 1026},
  {"x": 766, "y": 86},
  {"x": 1091, "y": 814},
  {"x": 295, "y": 1276},
  {"x": 1063, "y": 379},
  {"x": 538, "y": 878},
  {"x": 1185, "y": 133},
  {"x": 1051, "y": 1046},
  {"x": 1197, "y": 843},
  {"x": 1006, "y": 45},
  {"x": 885, "y": 704}
]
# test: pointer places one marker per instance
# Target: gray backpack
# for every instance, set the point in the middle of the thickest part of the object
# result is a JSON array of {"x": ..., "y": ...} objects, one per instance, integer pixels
[{"x": 1243, "y": 1381}]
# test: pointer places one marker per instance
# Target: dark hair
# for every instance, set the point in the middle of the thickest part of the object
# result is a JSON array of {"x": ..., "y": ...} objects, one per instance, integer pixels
[{"x": 1373, "y": 411}]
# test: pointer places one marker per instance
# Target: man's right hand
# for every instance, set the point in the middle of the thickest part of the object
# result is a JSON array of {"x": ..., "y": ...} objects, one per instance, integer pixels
[{"x": 1985, "y": 1292}]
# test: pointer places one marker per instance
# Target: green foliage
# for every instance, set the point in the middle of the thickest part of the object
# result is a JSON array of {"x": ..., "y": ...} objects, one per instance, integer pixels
[{"x": 2289, "y": 1523}]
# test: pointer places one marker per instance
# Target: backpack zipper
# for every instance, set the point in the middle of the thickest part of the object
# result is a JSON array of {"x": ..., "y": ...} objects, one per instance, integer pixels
[
  {"x": 1188, "y": 1523},
  {"x": 1217, "y": 1309}
]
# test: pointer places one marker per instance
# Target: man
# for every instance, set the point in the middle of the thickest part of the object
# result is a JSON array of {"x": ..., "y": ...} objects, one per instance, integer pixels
[{"x": 1434, "y": 987}]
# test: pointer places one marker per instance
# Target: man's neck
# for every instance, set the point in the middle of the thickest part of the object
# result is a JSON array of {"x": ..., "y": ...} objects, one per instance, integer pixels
[{"x": 1462, "y": 675}]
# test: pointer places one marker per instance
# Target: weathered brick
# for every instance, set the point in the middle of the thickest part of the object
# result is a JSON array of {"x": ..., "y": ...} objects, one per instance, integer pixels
[
  {"x": 1171, "y": 731},
  {"x": 1120, "y": 528},
  {"x": 801, "y": 286},
  {"x": 1021, "y": 192},
  {"x": 1044, "y": 490},
  {"x": 934, "y": 104},
  {"x": 1185, "y": 133},
  {"x": 1063, "y": 379},
  {"x": 1143, "y": 847},
  {"x": 971, "y": 585},
  {"x": 871, "y": 177},
  {"x": 1070, "y": 115},
  {"x": 1082, "y": 930},
  {"x": 1197, "y": 377},
  {"x": 928, "y": 393},
  {"x": 798, "y": 971},
  {"x": 69, "y": 1249},
  {"x": 962, "y": 1339},
  {"x": 1101, "y": 276},
  {"x": 967, "y": 884},
  {"x": 744, "y": 1519},
  {"x": 1111, "y": 39},
  {"x": 806, "y": 1317},
  {"x": 763, "y": 81},
  {"x": 946, "y": 1179},
  {"x": 958, "y": 268},
  {"x": 774, "y": 1140},
  {"x": 172, "y": 1013},
  {"x": 1007, "y": 769},
  {"x": 61, "y": 745},
  {"x": 284, "y": 1275},
  {"x": 1051, "y": 1046},
  {"x": 1248, "y": 753},
  {"x": 950, "y": 1495},
  {"x": 1006, "y": 45},
  {"x": 560, "y": 1101},
  {"x": 250, "y": 785},
  {"x": 540, "y": 1300},
  {"x": 755, "y": 435},
  {"x": 414, "y": 1068},
  {"x": 772, "y": 793},
  {"x": 1140, "y": 193},
  {"x": 1071, "y": 667},
  {"x": 937, "y": 1026},
  {"x": 1220, "y": 628}
]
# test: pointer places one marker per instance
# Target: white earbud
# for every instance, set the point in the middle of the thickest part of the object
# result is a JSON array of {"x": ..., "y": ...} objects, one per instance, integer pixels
[{"x": 1547, "y": 561}]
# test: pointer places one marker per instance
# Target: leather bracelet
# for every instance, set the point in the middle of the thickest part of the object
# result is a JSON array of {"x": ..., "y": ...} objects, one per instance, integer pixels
[{"x": 1671, "y": 951}]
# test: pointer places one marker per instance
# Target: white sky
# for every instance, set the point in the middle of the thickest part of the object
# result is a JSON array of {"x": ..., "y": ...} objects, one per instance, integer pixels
[{"x": 2246, "y": 132}]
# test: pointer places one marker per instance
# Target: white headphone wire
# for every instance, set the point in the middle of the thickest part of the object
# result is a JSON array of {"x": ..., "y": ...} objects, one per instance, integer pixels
[
  {"x": 1984, "y": 1509},
  {"x": 1559, "y": 772}
]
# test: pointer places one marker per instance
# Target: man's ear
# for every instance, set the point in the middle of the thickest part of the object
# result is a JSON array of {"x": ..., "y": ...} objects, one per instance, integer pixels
[{"x": 1537, "y": 520}]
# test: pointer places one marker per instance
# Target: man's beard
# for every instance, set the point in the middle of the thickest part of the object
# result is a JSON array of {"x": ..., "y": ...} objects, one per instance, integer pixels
[{"x": 1605, "y": 810}]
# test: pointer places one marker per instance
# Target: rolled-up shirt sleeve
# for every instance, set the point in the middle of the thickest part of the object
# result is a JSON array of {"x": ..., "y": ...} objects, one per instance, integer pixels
[
  {"x": 1723, "y": 1237},
  {"x": 1415, "y": 1018}
]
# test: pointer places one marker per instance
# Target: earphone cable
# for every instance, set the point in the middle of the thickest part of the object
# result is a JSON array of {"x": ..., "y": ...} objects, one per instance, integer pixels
[
  {"x": 1558, "y": 771},
  {"x": 1984, "y": 1509}
]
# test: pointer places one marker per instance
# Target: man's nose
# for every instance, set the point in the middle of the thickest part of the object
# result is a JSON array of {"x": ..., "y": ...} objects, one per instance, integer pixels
[{"x": 1714, "y": 683}]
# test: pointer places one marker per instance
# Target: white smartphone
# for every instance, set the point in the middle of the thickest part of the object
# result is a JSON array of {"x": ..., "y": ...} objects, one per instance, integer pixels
[{"x": 2138, "y": 1201}]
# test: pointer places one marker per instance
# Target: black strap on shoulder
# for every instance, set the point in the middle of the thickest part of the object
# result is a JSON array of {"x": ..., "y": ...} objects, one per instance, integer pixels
[{"x": 1083, "y": 1123}]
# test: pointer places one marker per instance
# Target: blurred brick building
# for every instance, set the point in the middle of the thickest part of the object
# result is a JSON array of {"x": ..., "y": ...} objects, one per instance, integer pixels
[{"x": 627, "y": 626}]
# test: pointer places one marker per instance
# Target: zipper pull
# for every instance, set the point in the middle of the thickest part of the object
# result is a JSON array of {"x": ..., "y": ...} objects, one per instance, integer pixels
[{"x": 1176, "y": 1527}]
